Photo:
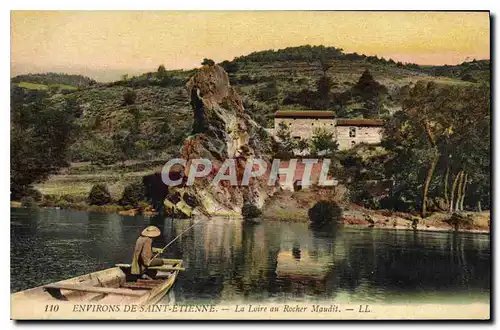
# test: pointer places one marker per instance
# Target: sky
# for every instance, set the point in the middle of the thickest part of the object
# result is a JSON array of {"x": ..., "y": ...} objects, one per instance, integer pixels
[{"x": 107, "y": 44}]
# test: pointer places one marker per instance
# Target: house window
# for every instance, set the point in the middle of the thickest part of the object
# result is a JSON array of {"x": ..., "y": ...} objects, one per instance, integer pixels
[{"x": 352, "y": 131}]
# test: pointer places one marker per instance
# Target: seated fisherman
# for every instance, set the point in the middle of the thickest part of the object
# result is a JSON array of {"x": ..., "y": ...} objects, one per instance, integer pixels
[{"x": 143, "y": 252}]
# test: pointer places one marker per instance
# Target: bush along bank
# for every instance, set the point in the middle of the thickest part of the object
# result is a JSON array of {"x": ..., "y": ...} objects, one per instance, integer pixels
[{"x": 99, "y": 199}]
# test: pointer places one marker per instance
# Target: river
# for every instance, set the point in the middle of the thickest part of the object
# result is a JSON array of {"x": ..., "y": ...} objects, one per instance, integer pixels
[{"x": 229, "y": 261}]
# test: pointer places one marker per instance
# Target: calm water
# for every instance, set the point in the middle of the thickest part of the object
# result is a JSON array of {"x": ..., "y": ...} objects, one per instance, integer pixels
[{"x": 231, "y": 262}]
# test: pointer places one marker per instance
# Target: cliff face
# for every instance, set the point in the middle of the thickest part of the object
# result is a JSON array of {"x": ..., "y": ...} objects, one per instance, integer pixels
[{"x": 222, "y": 130}]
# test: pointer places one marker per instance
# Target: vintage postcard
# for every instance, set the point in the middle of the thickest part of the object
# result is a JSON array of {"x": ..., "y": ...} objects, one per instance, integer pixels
[{"x": 246, "y": 165}]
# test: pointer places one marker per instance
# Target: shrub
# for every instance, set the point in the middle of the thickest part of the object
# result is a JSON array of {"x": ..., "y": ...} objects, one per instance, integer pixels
[
  {"x": 323, "y": 141},
  {"x": 269, "y": 92},
  {"x": 468, "y": 77},
  {"x": 133, "y": 194},
  {"x": 28, "y": 202},
  {"x": 129, "y": 97},
  {"x": 458, "y": 220},
  {"x": 161, "y": 68},
  {"x": 207, "y": 61},
  {"x": 324, "y": 213},
  {"x": 145, "y": 206},
  {"x": 49, "y": 200},
  {"x": 250, "y": 211},
  {"x": 230, "y": 67},
  {"x": 35, "y": 194},
  {"x": 99, "y": 195},
  {"x": 63, "y": 204}
]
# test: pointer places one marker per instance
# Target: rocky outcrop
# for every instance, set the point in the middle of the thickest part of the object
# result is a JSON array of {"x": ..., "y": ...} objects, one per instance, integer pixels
[{"x": 223, "y": 130}]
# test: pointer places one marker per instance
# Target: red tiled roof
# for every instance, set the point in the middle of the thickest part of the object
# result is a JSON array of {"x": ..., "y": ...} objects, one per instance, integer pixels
[
  {"x": 360, "y": 122},
  {"x": 304, "y": 114}
]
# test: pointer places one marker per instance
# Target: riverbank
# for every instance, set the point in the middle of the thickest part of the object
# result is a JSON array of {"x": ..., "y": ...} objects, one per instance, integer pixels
[
  {"x": 400, "y": 221},
  {"x": 148, "y": 211},
  {"x": 290, "y": 206},
  {"x": 354, "y": 216}
]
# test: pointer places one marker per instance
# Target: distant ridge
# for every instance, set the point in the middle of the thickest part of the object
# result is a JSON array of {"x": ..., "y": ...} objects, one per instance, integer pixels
[
  {"x": 53, "y": 78},
  {"x": 305, "y": 53}
]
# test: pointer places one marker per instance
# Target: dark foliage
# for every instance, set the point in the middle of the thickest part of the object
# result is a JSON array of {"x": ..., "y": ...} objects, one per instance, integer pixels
[
  {"x": 468, "y": 77},
  {"x": 269, "y": 92},
  {"x": 459, "y": 220},
  {"x": 99, "y": 195},
  {"x": 250, "y": 211},
  {"x": 129, "y": 97},
  {"x": 230, "y": 67},
  {"x": 367, "y": 87},
  {"x": 40, "y": 136},
  {"x": 207, "y": 61},
  {"x": 161, "y": 68},
  {"x": 133, "y": 194},
  {"x": 302, "y": 53},
  {"x": 320, "y": 99},
  {"x": 28, "y": 202},
  {"x": 324, "y": 213},
  {"x": 53, "y": 78}
]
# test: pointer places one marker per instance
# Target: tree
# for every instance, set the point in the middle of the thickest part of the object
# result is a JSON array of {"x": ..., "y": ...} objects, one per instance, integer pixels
[
  {"x": 40, "y": 136},
  {"x": 125, "y": 139},
  {"x": 99, "y": 195},
  {"x": 133, "y": 194},
  {"x": 468, "y": 77},
  {"x": 124, "y": 142},
  {"x": 323, "y": 142},
  {"x": 287, "y": 142},
  {"x": 371, "y": 93},
  {"x": 324, "y": 213},
  {"x": 161, "y": 69},
  {"x": 323, "y": 86},
  {"x": 129, "y": 97},
  {"x": 302, "y": 144},
  {"x": 422, "y": 123},
  {"x": 207, "y": 61},
  {"x": 439, "y": 144},
  {"x": 162, "y": 75},
  {"x": 230, "y": 67},
  {"x": 323, "y": 62},
  {"x": 269, "y": 92},
  {"x": 95, "y": 148}
]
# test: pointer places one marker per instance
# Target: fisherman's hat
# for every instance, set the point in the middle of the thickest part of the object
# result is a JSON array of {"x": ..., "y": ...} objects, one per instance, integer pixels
[{"x": 151, "y": 231}]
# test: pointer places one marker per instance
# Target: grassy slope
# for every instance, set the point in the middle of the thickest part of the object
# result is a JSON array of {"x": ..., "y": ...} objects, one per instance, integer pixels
[
  {"x": 103, "y": 112},
  {"x": 104, "y": 109},
  {"x": 30, "y": 85},
  {"x": 294, "y": 76}
]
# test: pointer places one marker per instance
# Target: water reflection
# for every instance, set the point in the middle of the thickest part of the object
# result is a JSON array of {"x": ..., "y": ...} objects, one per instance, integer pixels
[{"x": 228, "y": 260}]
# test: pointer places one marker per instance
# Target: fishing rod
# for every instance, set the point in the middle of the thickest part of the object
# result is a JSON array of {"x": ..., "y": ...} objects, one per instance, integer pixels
[{"x": 184, "y": 231}]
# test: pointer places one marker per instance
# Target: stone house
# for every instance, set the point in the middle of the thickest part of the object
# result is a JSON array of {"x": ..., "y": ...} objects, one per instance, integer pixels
[{"x": 347, "y": 132}]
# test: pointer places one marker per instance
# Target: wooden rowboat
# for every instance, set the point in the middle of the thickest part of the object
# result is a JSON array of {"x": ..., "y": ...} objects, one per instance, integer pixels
[{"x": 110, "y": 286}]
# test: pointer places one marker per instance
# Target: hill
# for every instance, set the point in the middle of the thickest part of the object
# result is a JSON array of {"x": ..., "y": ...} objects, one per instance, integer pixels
[
  {"x": 53, "y": 82},
  {"x": 52, "y": 78},
  {"x": 134, "y": 124}
]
